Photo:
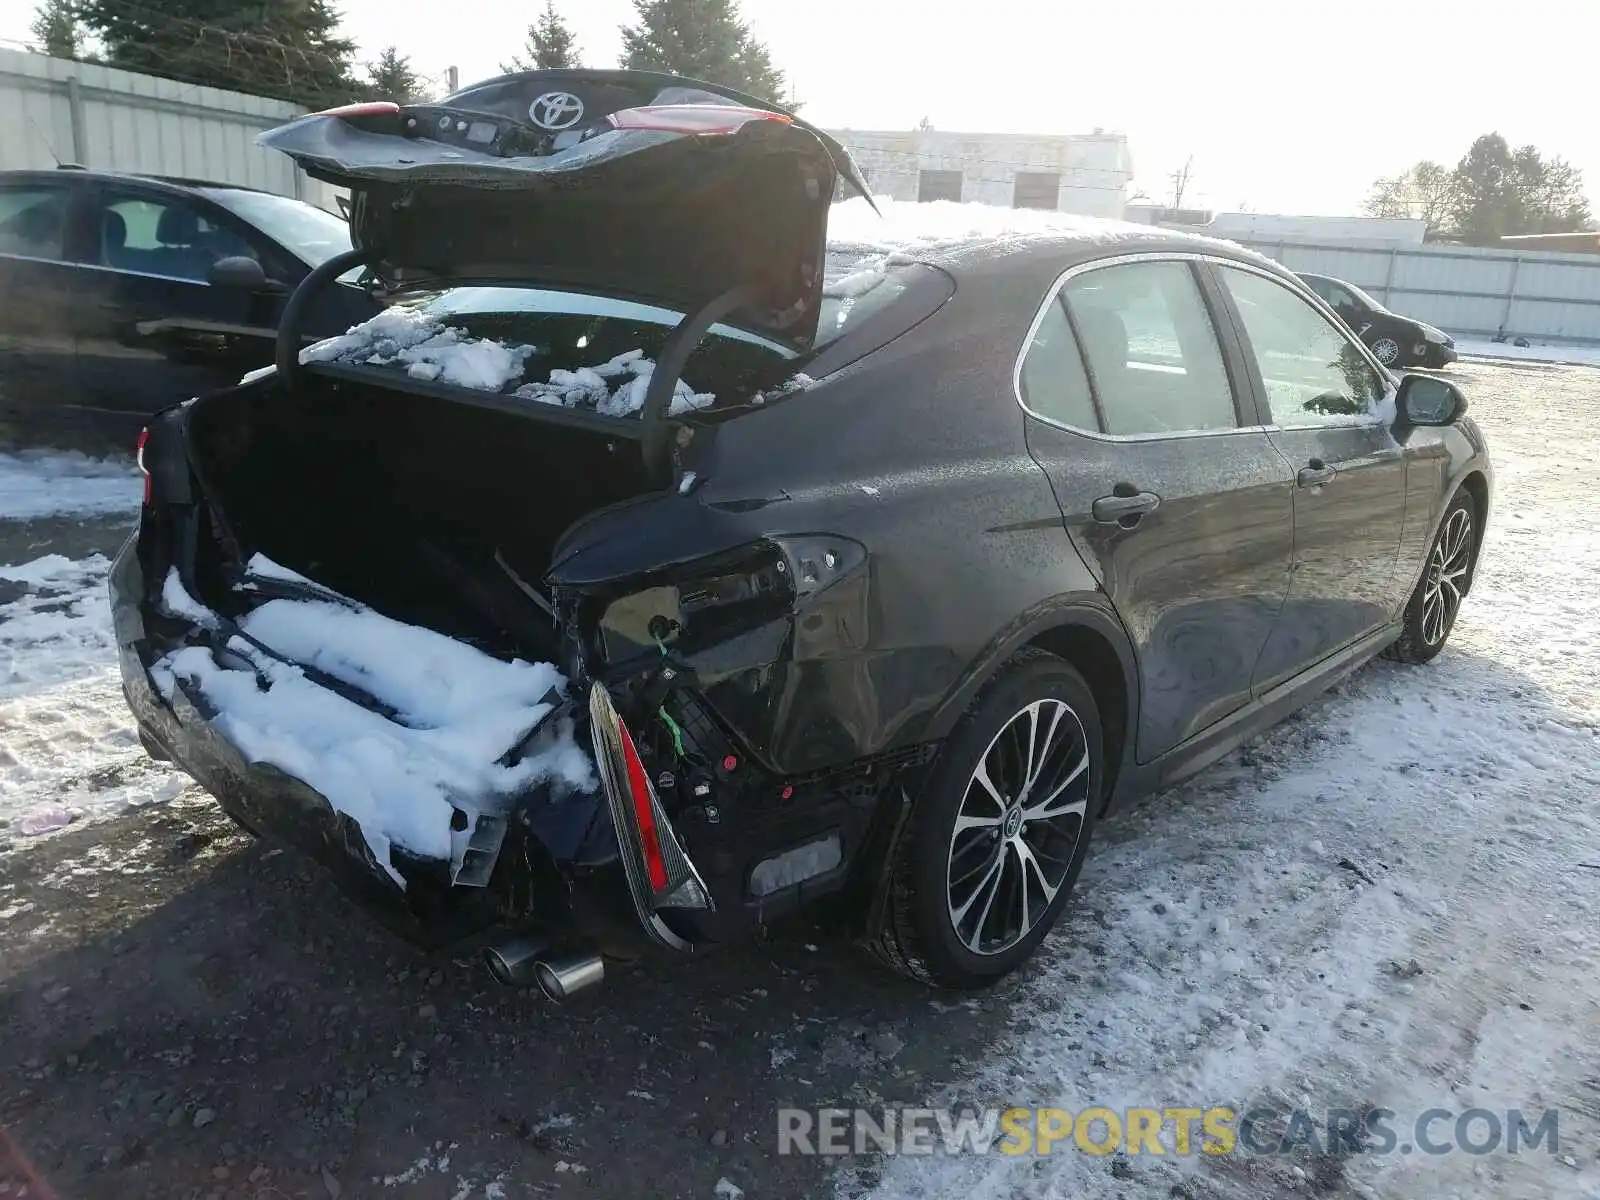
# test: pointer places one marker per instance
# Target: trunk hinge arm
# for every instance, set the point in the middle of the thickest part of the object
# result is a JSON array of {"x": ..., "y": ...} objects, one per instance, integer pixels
[
  {"x": 288, "y": 345},
  {"x": 675, "y": 352}
]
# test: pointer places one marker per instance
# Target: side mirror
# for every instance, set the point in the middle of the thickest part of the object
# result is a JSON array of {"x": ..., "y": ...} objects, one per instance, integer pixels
[
  {"x": 1425, "y": 400},
  {"x": 237, "y": 272}
]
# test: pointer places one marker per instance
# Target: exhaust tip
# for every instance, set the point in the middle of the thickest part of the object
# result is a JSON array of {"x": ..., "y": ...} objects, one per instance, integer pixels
[
  {"x": 562, "y": 977},
  {"x": 511, "y": 962}
]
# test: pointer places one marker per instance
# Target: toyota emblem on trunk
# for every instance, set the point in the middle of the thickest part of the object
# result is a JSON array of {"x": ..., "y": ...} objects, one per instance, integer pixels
[{"x": 556, "y": 111}]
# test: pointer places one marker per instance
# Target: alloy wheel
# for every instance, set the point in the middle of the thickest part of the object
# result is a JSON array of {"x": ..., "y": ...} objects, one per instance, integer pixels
[
  {"x": 1447, "y": 570},
  {"x": 1018, "y": 827},
  {"x": 1386, "y": 350}
]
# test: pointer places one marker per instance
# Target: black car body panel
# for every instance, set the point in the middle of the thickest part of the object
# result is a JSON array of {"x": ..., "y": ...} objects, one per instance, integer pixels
[
  {"x": 776, "y": 641},
  {"x": 105, "y": 324},
  {"x": 472, "y": 189},
  {"x": 1416, "y": 343}
]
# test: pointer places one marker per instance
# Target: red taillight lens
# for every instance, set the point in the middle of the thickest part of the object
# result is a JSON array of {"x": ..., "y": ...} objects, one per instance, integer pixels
[
  {"x": 138, "y": 457},
  {"x": 707, "y": 119},
  {"x": 644, "y": 813},
  {"x": 367, "y": 108}
]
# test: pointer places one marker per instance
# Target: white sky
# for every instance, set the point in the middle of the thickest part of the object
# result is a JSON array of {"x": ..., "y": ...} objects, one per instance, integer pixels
[{"x": 1285, "y": 106}]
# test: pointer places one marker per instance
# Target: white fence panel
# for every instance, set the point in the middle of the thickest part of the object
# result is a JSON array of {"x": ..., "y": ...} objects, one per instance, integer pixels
[
  {"x": 113, "y": 120},
  {"x": 1468, "y": 290}
]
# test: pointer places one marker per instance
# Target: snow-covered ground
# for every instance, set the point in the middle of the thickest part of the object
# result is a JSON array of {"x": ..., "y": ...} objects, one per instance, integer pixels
[
  {"x": 1390, "y": 900},
  {"x": 1483, "y": 348},
  {"x": 54, "y": 483}
]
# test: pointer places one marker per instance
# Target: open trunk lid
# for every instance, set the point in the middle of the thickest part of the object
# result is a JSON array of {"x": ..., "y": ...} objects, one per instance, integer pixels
[{"x": 632, "y": 184}]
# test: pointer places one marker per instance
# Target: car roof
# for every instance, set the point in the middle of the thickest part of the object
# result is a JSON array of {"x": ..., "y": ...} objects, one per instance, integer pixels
[
  {"x": 1059, "y": 246},
  {"x": 174, "y": 183}
]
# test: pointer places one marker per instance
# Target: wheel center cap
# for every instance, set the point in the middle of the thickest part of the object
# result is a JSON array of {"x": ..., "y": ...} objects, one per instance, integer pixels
[{"x": 1013, "y": 823}]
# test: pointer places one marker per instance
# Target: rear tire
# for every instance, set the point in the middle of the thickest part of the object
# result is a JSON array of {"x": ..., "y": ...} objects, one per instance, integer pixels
[
  {"x": 1431, "y": 612},
  {"x": 1000, "y": 831}
]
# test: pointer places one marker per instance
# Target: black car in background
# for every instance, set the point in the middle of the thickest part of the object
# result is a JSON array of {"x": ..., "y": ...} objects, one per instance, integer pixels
[
  {"x": 122, "y": 293},
  {"x": 875, "y": 575},
  {"x": 1396, "y": 341}
]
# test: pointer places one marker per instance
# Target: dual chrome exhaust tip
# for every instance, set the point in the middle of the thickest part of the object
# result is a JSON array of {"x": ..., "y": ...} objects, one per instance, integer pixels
[{"x": 531, "y": 962}]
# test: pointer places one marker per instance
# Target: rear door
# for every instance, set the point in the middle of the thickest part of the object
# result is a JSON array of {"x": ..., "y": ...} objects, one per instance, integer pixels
[
  {"x": 1172, "y": 494},
  {"x": 156, "y": 331},
  {"x": 38, "y": 302},
  {"x": 1327, "y": 409}
]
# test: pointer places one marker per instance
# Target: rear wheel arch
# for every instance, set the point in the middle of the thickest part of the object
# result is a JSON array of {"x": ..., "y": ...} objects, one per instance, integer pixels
[
  {"x": 1093, "y": 655},
  {"x": 1088, "y": 638}
]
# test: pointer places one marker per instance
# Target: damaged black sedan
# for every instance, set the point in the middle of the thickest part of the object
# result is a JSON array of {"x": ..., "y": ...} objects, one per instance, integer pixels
[{"x": 656, "y": 557}]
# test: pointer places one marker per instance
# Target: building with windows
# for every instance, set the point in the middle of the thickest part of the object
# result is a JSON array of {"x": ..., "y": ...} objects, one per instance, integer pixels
[{"x": 1077, "y": 173}]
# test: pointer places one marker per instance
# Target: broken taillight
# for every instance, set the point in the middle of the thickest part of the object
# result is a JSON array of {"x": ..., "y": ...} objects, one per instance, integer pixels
[
  {"x": 706, "y": 119},
  {"x": 367, "y": 108},
  {"x": 138, "y": 457},
  {"x": 644, "y": 812}
]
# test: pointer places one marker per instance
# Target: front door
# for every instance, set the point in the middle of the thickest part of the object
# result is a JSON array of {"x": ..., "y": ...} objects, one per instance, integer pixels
[
  {"x": 1328, "y": 410},
  {"x": 1174, "y": 499},
  {"x": 156, "y": 331}
]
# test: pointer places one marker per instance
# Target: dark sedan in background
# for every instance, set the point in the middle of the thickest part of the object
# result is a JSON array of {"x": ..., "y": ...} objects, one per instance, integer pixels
[
  {"x": 123, "y": 293},
  {"x": 1394, "y": 340}
]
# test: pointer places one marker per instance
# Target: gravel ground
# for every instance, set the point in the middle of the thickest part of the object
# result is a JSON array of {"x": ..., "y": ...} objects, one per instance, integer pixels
[{"x": 187, "y": 1013}]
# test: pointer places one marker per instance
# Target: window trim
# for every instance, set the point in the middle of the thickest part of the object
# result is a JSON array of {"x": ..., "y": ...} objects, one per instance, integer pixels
[
  {"x": 1225, "y": 340},
  {"x": 1303, "y": 290}
]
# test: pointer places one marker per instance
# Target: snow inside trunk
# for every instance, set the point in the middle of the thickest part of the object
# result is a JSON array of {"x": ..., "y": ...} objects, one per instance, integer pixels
[{"x": 437, "y": 514}]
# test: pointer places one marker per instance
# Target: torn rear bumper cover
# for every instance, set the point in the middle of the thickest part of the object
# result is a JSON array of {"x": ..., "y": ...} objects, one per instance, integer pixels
[{"x": 439, "y": 902}]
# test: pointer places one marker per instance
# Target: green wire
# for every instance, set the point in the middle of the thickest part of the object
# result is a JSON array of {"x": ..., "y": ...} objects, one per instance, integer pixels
[{"x": 677, "y": 731}]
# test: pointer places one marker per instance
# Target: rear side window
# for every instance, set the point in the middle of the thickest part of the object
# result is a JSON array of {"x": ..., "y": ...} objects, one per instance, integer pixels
[
  {"x": 1053, "y": 381},
  {"x": 1152, "y": 351},
  {"x": 33, "y": 221}
]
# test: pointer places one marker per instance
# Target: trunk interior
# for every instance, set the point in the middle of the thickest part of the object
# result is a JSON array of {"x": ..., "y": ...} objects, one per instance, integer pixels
[{"x": 434, "y": 512}]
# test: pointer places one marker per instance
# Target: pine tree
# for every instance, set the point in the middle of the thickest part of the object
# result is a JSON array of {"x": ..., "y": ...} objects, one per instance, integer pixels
[
  {"x": 55, "y": 25},
  {"x": 704, "y": 39},
  {"x": 550, "y": 44},
  {"x": 391, "y": 78},
  {"x": 287, "y": 49}
]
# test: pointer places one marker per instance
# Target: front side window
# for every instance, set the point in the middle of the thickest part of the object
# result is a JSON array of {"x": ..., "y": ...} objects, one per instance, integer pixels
[
  {"x": 33, "y": 221},
  {"x": 1152, "y": 351},
  {"x": 1312, "y": 371},
  {"x": 162, "y": 236}
]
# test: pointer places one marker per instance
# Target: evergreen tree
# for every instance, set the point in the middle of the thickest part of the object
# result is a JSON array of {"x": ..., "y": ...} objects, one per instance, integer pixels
[
  {"x": 704, "y": 39},
  {"x": 550, "y": 44},
  {"x": 55, "y": 25},
  {"x": 288, "y": 49},
  {"x": 391, "y": 78}
]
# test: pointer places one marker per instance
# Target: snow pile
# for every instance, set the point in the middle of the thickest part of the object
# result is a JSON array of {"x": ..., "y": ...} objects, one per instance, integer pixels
[
  {"x": 613, "y": 389},
  {"x": 56, "y": 627},
  {"x": 457, "y": 713},
  {"x": 916, "y": 227},
  {"x": 67, "y": 746},
  {"x": 427, "y": 348},
  {"x": 39, "y": 483}
]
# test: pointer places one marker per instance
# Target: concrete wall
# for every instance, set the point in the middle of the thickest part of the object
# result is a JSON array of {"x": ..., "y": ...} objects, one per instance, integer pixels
[
  {"x": 115, "y": 120},
  {"x": 1095, "y": 169},
  {"x": 1462, "y": 289}
]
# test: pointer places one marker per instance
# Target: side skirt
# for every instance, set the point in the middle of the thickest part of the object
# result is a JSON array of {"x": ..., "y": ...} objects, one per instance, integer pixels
[{"x": 1259, "y": 715}]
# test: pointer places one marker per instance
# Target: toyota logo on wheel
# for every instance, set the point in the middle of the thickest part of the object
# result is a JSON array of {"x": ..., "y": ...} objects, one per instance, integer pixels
[{"x": 556, "y": 111}]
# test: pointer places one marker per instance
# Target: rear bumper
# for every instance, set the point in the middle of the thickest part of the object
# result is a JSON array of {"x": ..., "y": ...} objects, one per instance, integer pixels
[{"x": 528, "y": 888}]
